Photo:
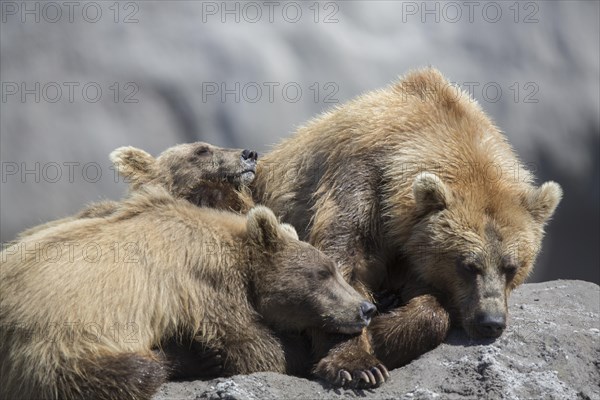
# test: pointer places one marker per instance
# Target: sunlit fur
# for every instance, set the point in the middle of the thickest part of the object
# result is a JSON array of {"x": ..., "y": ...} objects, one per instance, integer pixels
[
  {"x": 206, "y": 175},
  {"x": 158, "y": 267},
  {"x": 348, "y": 181}
]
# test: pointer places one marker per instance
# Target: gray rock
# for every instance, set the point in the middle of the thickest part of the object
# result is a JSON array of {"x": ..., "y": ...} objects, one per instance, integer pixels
[{"x": 551, "y": 350}]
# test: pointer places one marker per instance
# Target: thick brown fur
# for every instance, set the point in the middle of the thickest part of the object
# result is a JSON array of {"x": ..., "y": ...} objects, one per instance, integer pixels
[
  {"x": 415, "y": 172},
  {"x": 206, "y": 175},
  {"x": 83, "y": 304},
  {"x": 419, "y": 322}
]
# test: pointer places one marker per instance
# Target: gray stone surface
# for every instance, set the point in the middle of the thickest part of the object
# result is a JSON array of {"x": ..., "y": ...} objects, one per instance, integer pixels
[{"x": 551, "y": 350}]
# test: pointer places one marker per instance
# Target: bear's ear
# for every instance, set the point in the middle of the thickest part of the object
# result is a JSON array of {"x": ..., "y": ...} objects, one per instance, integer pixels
[
  {"x": 542, "y": 201},
  {"x": 263, "y": 228},
  {"x": 134, "y": 164},
  {"x": 289, "y": 230},
  {"x": 431, "y": 194}
]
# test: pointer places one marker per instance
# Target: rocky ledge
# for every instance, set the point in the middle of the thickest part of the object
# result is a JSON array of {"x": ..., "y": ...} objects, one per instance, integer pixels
[{"x": 551, "y": 350}]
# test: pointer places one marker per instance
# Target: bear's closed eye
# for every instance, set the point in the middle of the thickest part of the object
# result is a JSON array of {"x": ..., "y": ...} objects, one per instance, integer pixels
[{"x": 202, "y": 151}]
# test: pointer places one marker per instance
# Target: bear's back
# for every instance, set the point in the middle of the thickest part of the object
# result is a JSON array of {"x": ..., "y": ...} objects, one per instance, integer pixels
[{"x": 154, "y": 245}]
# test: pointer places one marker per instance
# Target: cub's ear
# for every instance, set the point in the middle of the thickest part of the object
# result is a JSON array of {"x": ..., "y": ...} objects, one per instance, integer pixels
[
  {"x": 263, "y": 228},
  {"x": 431, "y": 194},
  {"x": 289, "y": 230},
  {"x": 134, "y": 164},
  {"x": 542, "y": 201}
]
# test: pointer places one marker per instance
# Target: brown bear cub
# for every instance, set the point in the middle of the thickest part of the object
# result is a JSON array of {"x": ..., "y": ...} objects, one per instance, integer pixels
[
  {"x": 83, "y": 304},
  {"x": 411, "y": 189},
  {"x": 206, "y": 175}
]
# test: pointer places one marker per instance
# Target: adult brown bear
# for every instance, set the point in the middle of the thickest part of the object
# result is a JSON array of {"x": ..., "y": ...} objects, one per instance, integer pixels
[{"x": 413, "y": 189}]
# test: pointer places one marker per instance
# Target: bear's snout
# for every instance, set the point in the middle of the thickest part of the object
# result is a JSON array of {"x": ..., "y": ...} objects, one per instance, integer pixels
[
  {"x": 248, "y": 164},
  {"x": 367, "y": 310},
  {"x": 490, "y": 325},
  {"x": 249, "y": 155}
]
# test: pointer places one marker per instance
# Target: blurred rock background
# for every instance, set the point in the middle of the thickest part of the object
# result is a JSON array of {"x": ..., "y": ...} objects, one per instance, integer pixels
[{"x": 82, "y": 78}]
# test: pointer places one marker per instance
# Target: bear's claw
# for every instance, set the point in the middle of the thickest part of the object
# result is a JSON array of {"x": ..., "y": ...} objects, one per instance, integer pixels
[
  {"x": 343, "y": 378},
  {"x": 362, "y": 378},
  {"x": 373, "y": 377},
  {"x": 381, "y": 373},
  {"x": 212, "y": 362},
  {"x": 350, "y": 366},
  {"x": 367, "y": 378}
]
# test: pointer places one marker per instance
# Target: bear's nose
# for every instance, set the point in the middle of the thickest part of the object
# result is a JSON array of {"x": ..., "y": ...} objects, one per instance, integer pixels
[
  {"x": 490, "y": 325},
  {"x": 367, "y": 310},
  {"x": 249, "y": 155}
]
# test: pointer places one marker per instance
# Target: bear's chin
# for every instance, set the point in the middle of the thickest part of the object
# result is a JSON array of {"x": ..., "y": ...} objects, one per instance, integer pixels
[
  {"x": 247, "y": 176},
  {"x": 347, "y": 329}
]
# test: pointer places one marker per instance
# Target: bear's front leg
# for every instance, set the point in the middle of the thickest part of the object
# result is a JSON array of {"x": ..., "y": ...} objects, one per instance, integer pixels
[
  {"x": 191, "y": 359},
  {"x": 349, "y": 361},
  {"x": 296, "y": 346},
  {"x": 405, "y": 333},
  {"x": 251, "y": 347}
]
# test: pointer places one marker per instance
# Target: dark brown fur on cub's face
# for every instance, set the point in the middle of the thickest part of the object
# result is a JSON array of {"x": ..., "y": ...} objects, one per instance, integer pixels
[
  {"x": 291, "y": 296},
  {"x": 199, "y": 162},
  {"x": 477, "y": 251}
]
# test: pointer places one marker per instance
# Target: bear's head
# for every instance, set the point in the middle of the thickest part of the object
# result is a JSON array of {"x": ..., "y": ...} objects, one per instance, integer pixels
[
  {"x": 296, "y": 286},
  {"x": 476, "y": 246},
  {"x": 198, "y": 172}
]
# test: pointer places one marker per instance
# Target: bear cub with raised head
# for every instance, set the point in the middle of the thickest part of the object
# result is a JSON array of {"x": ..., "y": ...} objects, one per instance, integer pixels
[
  {"x": 205, "y": 175},
  {"x": 80, "y": 323}
]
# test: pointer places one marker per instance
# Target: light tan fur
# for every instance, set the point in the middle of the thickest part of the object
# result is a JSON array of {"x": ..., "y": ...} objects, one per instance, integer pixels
[
  {"x": 411, "y": 184},
  {"x": 83, "y": 304}
]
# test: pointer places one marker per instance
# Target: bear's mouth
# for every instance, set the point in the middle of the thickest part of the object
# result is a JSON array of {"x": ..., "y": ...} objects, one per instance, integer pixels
[
  {"x": 248, "y": 175},
  {"x": 349, "y": 329}
]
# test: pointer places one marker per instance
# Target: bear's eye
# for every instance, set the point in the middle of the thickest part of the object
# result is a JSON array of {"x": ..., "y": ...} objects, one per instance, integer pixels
[
  {"x": 324, "y": 274},
  {"x": 469, "y": 267},
  {"x": 202, "y": 151},
  {"x": 510, "y": 270}
]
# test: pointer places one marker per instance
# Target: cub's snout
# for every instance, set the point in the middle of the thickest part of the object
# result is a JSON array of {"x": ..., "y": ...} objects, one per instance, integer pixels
[
  {"x": 249, "y": 155},
  {"x": 248, "y": 160}
]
